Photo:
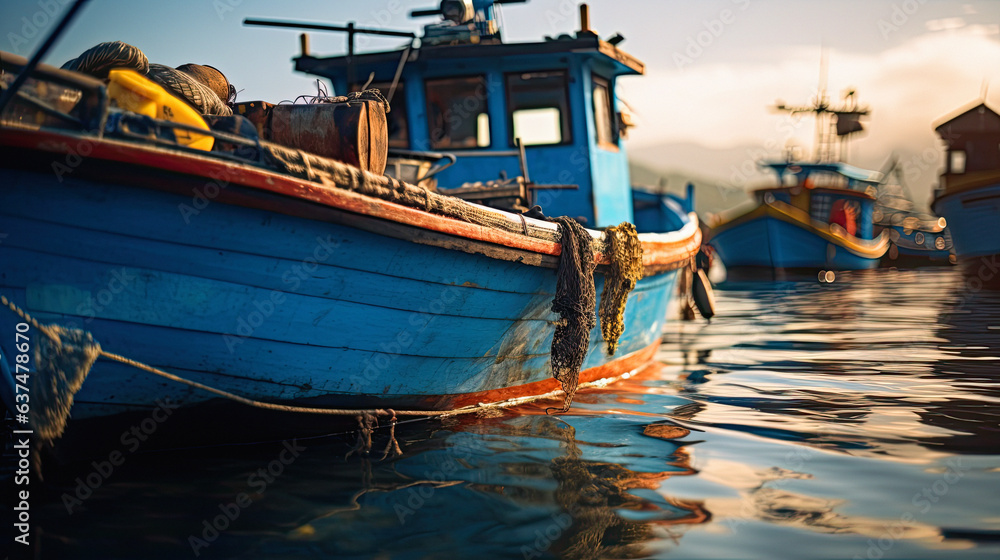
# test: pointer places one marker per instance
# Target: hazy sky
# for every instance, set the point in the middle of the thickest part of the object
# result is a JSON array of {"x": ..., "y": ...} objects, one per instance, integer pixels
[{"x": 713, "y": 66}]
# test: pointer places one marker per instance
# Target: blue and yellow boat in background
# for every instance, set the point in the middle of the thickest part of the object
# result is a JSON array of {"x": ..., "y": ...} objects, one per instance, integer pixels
[{"x": 818, "y": 217}]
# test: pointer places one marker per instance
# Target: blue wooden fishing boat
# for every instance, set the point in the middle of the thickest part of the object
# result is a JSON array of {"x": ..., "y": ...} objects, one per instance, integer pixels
[
  {"x": 817, "y": 215},
  {"x": 276, "y": 275},
  {"x": 968, "y": 195}
]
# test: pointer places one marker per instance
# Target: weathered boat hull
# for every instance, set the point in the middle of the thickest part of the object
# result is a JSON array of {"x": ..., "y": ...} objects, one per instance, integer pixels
[
  {"x": 768, "y": 237},
  {"x": 905, "y": 251},
  {"x": 299, "y": 305},
  {"x": 973, "y": 216}
]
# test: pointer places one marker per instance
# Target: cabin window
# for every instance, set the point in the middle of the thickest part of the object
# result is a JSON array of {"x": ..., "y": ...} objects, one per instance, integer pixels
[
  {"x": 820, "y": 206},
  {"x": 604, "y": 112},
  {"x": 957, "y": 163},
  {"x": 399, "y": 132},
  {"x": 538, "y": 105},
  {"x": 456, "y": 113}
]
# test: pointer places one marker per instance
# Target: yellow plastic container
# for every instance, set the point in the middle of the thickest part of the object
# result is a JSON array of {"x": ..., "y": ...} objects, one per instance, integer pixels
[{"x": 137, "y": 93}]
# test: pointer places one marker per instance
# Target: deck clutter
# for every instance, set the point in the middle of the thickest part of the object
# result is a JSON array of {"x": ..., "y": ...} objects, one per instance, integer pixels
[{"x": 309, "y": 281}]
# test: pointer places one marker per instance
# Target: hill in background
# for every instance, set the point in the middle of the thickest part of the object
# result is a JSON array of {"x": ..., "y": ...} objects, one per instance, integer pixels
[
  {"x": 710, "y": 196},
  {"x": 723, "y": 176}
]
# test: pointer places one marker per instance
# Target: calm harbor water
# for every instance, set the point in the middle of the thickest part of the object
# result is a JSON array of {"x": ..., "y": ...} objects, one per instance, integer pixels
[{"x": 857, "y": 419}]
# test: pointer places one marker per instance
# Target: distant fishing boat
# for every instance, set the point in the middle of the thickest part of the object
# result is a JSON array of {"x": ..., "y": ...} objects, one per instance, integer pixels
[
  {"x": 915, "y": 238},
  {"x": 820, "y": 218},
  {"x": 817, "y": 215},
  {"x": 968, "y": 195},
  {"x": 264, "y": 272}
]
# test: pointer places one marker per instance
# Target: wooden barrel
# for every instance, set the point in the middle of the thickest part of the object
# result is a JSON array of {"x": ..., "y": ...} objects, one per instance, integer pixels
[{"x": 354, "y": 132}]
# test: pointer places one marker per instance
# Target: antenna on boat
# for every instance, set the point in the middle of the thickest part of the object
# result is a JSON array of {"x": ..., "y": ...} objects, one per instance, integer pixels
[
  {"x": 463, "y": 21},
  {"x": 834, "y": 124},
  {"x": 822, "y": 100},
  {"x": 25, "y": 72},
  {"x": 350, "y": 29}
]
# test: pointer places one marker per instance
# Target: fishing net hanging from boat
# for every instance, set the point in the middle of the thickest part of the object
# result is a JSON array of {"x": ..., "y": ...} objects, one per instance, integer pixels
[
  {"x": 574, "y": 302},
  {"x": 101, "y": 59},
  {"x": 63, "y": 357},
  {"x": 576, "y": 296},
  {"x": 625, "y": 252}
]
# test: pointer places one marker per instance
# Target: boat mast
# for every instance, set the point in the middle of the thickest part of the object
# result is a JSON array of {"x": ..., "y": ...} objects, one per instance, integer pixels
[
  {"x": 834, "y": 124},
  {"x": 25, "y": 72}
]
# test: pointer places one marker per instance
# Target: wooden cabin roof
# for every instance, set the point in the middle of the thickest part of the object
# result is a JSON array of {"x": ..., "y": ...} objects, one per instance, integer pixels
[
  {"x": 585, "y": 43},
  {"x": 978, "y": 117},
  {"x": 803, "y": 169}
]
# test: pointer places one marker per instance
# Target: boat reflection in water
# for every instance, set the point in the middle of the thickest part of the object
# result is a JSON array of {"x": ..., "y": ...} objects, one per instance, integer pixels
[
  {"x": 526, "y": 484},
  {"x": 843, "y": 382},
  {"x": 529, "y": 485},
  {"x": 852, "y": 419}
]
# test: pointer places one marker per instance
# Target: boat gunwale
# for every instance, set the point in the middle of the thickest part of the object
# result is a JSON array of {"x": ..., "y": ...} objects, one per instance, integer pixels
[
  {"x": 825, "y": 190},
  {"x": 661, "y": 251},
  {"x": 970, "y": 182},
  {"x": 864, "y": 248}
]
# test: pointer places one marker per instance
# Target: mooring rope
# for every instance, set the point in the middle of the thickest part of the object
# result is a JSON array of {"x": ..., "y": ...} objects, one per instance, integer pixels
[{"x": 366, "y": 417}]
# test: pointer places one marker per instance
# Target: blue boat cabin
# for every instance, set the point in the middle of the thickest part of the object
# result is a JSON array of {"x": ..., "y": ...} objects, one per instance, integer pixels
[
  {"x": 972, "y": 141},
  {"x": 472, "y": 97},
  {"x": 833, "y": 193}
]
